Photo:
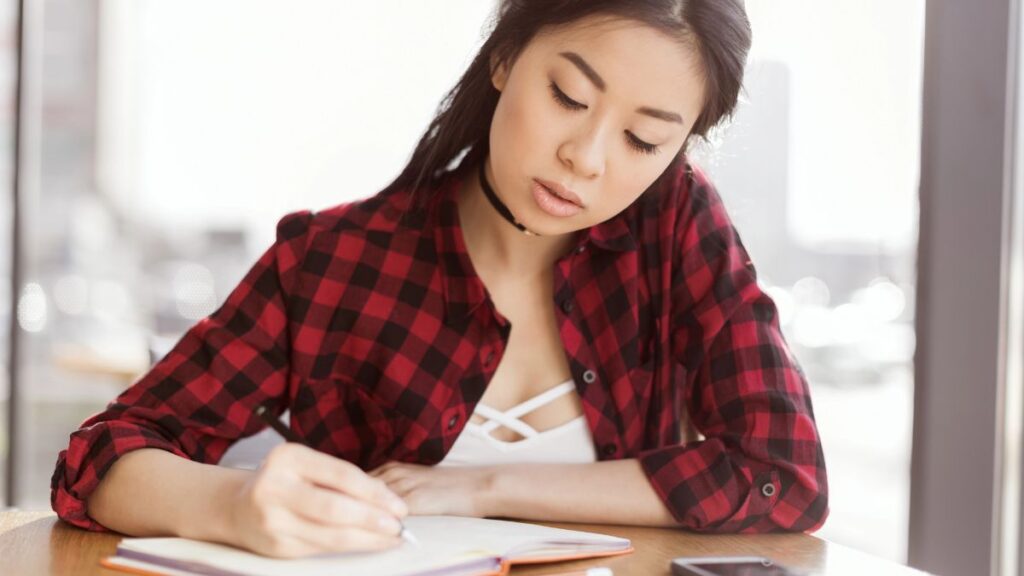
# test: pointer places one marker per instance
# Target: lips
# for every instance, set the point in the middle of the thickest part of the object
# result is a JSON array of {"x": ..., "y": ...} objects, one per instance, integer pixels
[
  {"x": 562, "y": 192},
  {"x": 553, "y": 204}
]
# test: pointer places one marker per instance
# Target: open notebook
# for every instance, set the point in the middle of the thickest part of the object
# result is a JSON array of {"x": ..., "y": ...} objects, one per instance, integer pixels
[{"x": 448, "y": 546}]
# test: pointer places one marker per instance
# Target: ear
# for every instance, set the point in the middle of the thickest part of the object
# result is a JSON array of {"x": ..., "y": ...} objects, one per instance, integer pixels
[{"x": 499, "y": 71}]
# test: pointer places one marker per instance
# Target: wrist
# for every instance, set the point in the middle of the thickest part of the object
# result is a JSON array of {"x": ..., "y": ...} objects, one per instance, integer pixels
[
  {"x": 214, "y": 517},
  {"x": 487, "y": 499}
]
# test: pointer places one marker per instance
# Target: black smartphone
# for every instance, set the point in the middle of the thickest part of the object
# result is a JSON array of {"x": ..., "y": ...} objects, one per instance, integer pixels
[{"x": 730, "y": 566}]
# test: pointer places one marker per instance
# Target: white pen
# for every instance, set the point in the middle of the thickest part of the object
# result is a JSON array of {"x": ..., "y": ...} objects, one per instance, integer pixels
[{"x": 407, "y": 535}]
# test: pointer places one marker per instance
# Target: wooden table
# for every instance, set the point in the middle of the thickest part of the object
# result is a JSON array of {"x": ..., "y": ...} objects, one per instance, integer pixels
[{"x": 36, "y": 543}]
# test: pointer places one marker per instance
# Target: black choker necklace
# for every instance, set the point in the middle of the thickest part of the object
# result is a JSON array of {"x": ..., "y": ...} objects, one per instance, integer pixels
[{"x": 499, "y": 205}]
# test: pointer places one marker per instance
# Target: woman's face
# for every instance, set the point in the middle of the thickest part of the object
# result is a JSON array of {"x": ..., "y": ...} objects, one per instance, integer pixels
[{"x": 599, "y": 107}]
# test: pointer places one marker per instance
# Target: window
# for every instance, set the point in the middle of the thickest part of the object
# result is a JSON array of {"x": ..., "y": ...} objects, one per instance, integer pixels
[{"x": 819, "y": 170}]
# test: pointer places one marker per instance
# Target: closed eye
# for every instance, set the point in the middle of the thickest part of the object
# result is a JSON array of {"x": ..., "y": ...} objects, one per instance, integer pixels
[
  {"x": 570, "y": 104},
  {"x": 564, "y": 100}
]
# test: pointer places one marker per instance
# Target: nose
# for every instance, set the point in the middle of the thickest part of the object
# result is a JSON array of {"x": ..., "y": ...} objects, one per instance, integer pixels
[{"x": 584, "y": 152}]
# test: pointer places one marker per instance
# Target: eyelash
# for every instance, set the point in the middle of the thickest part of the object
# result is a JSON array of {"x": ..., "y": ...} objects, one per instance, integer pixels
[{"x": 570, "y": 104}]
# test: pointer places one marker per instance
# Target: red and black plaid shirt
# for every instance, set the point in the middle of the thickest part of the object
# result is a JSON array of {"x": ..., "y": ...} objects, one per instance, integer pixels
[{"x": 380, "y": 338}]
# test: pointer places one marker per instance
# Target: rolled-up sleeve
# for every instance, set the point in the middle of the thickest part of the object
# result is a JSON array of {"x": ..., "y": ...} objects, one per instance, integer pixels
[
  {"x": 760, "y": 466},
  {"x": 199, "y": 398}
]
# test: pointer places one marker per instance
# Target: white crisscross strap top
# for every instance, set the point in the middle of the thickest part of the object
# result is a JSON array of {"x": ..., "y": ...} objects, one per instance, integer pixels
[{"x": 568, "y": 443}]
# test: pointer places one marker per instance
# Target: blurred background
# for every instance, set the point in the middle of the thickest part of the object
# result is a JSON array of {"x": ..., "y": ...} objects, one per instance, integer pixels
[{"x": 161, "y": 141}]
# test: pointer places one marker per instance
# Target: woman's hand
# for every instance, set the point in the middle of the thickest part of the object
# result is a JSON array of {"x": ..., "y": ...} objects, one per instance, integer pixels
[
  {"x": 303, "y": 502},
  {"x": 433, "y": 490}
]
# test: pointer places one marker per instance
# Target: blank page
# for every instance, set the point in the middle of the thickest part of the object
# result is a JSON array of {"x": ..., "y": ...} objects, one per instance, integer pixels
[{"x": 477, "y": 543}]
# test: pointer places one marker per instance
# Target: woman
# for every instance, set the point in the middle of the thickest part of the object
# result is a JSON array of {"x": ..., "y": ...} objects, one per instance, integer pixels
[{"x": 549, "y": 260}]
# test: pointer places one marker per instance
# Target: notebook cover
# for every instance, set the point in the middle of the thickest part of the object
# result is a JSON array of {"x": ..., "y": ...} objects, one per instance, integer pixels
[
  {"x": 157, "y": 563},
  {"x": 503, "y": 570}
]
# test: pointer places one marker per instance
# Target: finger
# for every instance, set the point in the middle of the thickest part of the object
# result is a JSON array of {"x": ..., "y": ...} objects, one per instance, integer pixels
[
  {"x": 337, "y": 474},
  {"x": 279, "y": 538},
  {"x": 403, "y": 486},
  {"x": 335, "y": 509},
  {"x": 296, "y": 537},
  {"x": 390, "y": 464},
  {"x": 389, "y": 469},
  {"x": 288, "y": 547},
  {"x": 392, "y": 474},
  {"x": 342, "y": 539},
  {"x": 400, "y": 471}
]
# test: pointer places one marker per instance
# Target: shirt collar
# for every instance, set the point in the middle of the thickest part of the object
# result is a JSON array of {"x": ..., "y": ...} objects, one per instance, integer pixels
[{"x": 463, "y": 289}]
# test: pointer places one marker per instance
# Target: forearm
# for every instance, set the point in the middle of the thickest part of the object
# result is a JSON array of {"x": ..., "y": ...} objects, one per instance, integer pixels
[
  {"x": 612, "y": 492},
  {"x": 151, "y": 492}
]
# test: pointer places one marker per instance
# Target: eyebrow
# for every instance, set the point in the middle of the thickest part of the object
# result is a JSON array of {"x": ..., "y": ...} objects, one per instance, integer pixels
[{"x": 596, "y": 79}]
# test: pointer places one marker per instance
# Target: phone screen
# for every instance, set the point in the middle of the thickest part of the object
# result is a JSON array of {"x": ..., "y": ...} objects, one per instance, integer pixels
[{"x": 738, "y": 569}]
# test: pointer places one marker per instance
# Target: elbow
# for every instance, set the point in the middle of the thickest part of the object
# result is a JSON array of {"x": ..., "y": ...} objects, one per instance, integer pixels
[
  {"x": 70, "y": 507},
  {"x": 806, "y": 517},
  {"x": 801, "y": 508}
]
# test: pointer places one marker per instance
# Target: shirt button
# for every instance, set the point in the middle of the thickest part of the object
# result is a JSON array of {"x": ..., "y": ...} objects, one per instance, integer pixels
[
  {"x": 609, "y": 449},
  {"x": 768, "y": 490},
  {"x": 581, "y": 249},
  {"x": 589, "y": 376},
  {"x": 453, "y": 421},
  {"x": 567, "y": 306},
  {"x": 490, "y": 358}
]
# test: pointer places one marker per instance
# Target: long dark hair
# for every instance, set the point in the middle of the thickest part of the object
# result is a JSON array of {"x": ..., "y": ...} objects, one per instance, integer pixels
[{"x": 458, "y": 135}]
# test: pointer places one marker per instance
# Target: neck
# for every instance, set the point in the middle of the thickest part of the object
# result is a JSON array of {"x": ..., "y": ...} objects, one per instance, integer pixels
[{"x": 493, "y": 242}]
